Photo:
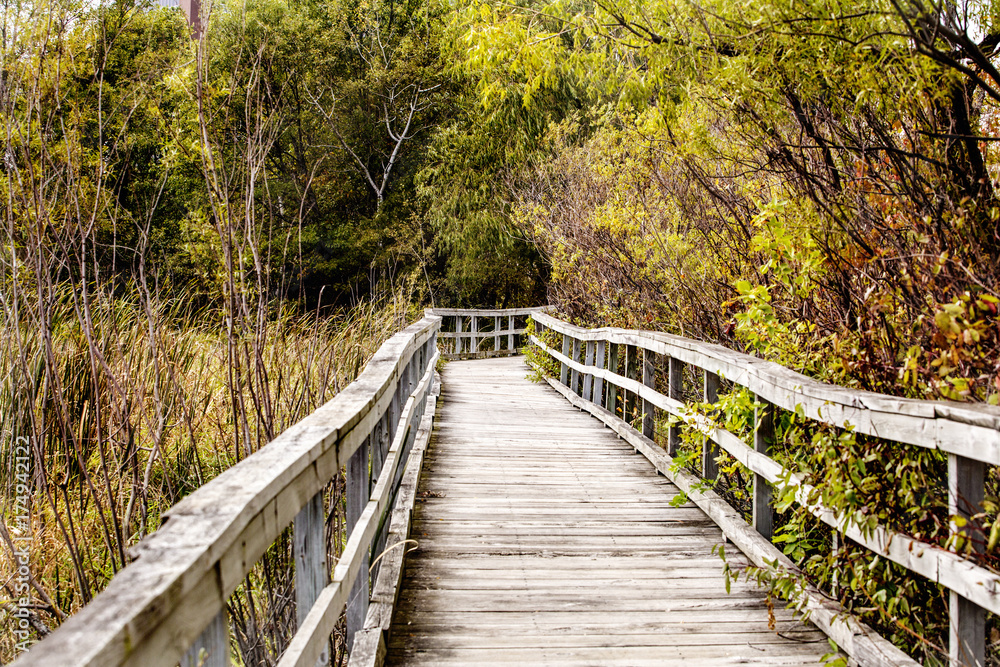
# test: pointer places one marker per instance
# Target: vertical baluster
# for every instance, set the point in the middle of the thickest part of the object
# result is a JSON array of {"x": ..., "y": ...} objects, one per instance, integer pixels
[
  {"x": 567, "y": 343},
  {"x": 762, "y": 439},
  {"x": 211, "y": 649},
  {"x": 309, "y": 551},
  {"x": 709, "y": 452},
  {"x": 574, "y": 384},
  {"x": 496, "y": 334},
  {"x": 588, "y": 379},
  {"x": 357, "y": 494},
  {"x": 474, "y": 336},
  {"x": 648, "y": 380},
  {"x": 967, "y": 622},
  {"x": 510, "y": 335},
  {"x": 612, "y": 403},
  {"x": 458, "y": 338},
  {"x": 598, "y": 395},
  {"x": 377, "y": 439},
  {"x": 675, "y": 390},
  {"x": 835, "y": 541},
  {"x": 631, "y": 371}
]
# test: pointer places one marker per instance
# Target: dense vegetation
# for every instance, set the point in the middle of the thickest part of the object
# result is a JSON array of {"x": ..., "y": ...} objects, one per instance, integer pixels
[
  {"x": 204, "y": 239},
  {"x": 812, "y": 182}
]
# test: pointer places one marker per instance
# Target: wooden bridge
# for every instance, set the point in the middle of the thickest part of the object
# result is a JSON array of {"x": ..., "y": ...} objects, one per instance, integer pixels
[{"x": 497, "y": 521}]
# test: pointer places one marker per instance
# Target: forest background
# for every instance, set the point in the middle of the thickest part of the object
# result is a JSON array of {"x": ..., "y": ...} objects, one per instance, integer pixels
[{"x": 204, "y": 239}]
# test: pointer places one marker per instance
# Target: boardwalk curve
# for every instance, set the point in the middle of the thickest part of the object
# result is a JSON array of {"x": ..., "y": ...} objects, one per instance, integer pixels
[{"x": 545, "y": 540}]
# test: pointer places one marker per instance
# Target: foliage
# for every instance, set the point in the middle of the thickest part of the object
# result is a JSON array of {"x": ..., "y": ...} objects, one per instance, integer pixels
[{"x": 810, "y": 182}]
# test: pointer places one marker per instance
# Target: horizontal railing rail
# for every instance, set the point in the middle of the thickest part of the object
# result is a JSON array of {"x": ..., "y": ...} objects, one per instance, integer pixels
[
  {"x": 169, "y": 605},
  {"x": 589, "y": 362},
  {"x": 467, "y": 333}
]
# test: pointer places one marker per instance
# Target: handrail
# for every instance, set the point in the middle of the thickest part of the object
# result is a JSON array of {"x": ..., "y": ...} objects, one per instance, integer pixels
[
  {"x": 970, "y": 435},
  {"x": 467, "y": 343},
  {"x": 173, "y": 595}
]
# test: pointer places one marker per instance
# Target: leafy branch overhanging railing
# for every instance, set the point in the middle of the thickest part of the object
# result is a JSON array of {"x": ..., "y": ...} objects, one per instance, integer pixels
[{"x": 589, "y": 361}]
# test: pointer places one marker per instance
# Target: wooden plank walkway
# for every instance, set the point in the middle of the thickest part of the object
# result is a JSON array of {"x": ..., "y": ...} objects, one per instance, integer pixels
[{"x": 545, "y": 540}]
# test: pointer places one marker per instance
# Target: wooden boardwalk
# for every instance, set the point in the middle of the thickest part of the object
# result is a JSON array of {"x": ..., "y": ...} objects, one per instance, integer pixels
[{"x": 545, "y": 540}]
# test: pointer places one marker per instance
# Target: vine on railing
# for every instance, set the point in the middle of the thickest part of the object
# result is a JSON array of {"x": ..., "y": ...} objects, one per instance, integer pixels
[{"x": 623, "y": 377}]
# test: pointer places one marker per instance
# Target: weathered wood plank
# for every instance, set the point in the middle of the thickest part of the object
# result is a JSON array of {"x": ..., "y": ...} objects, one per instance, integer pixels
[
  {"x": 306, "y": 645},
  {"x": 155, "y": 608},
  {"x": 558, "y": 533},
  {"x": 958, "y": 428},
  {"x": 856, "y": 639},
  {"x": 648, "y": 380},
  {"x": 763, "y": 440},
  {"x": 709, "y": 452},
  {"x": 971, "y": 581},
  {"x": 967, "y": 620},
  {"x": 309, "y": 549}
]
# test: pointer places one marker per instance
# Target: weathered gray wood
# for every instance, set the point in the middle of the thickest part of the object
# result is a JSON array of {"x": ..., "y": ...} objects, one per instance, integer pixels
[
  {"x": 598, "y": 389},
  {"x": 588, "y": 378},
  {"x": 309, "y": 552},
  {"x": 314, "y": 631},
  {"x": 211, "y": 649},
  {"x": 967, "y": 622},
  {"x": 648, "y": 380},
  {"x": 182, "y": 574},
  {"x": 763, "y": 439},
  {"x": 510, "y": 336},
  {"x": 567, "y": 346},
  {"x": 709, "y": 452},
  {"x": 474, "y": 330},
  {"x": 481, "y": 334},
  {"x": 859, "y": 641},
  {"x": 576, "y": 369},
  {"x": 675, "y": 375},
  {"x": 630, "y": 398},
  {"x": 356, "y": 495},
  {"x": 496, "y": 333},
  {"x": 612, "y": 400},
  {"x": 965, "y": 429},
  {"x": 459, "y": 337},
  {"x": 973, "y": 582},
  {"x": 370, "y": 649},
  {"x": 472, "y": 593},
  {"x": 486, "y": 312}
]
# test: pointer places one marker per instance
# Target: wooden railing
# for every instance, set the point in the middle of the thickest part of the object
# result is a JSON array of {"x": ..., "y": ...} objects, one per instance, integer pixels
[
  {"x": 169, "y": 605},
  {"x": 605, "y": 370},
  {"x": 468, "y": 334}
]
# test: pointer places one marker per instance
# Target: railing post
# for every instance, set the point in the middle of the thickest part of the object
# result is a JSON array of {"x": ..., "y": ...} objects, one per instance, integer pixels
[
  {"x": 709, "y": 452},
  {"x": 648, "y": 380},
  {"x": 967, "y": 621},
  {"x": 473, "y": 336},
  {"x": 211, "y": 649},
  {"x": 510, "y": 336},
  {"x": 574, "y": 383},
  {"x": 762, "y": 439},
  {"x": 496, "y": 333},
  {"x": 458, "y": 338},
  {"x": 612, "y": 403},
  {"x": 588, "y": 379},
  {"x": 379, "y": 445},
  {"x": 675, "y": 390},
  {"x": 598, "y": 392},
  {"x": 356, "y": 494},
  {"x": 630, "y": 373},
  {"x": 563, "y": 368},
  {"x": 309, "y": 550}
]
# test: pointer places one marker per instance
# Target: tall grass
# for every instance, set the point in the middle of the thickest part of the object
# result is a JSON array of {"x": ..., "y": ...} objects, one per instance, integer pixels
[{"x": 133, "y": 403}]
